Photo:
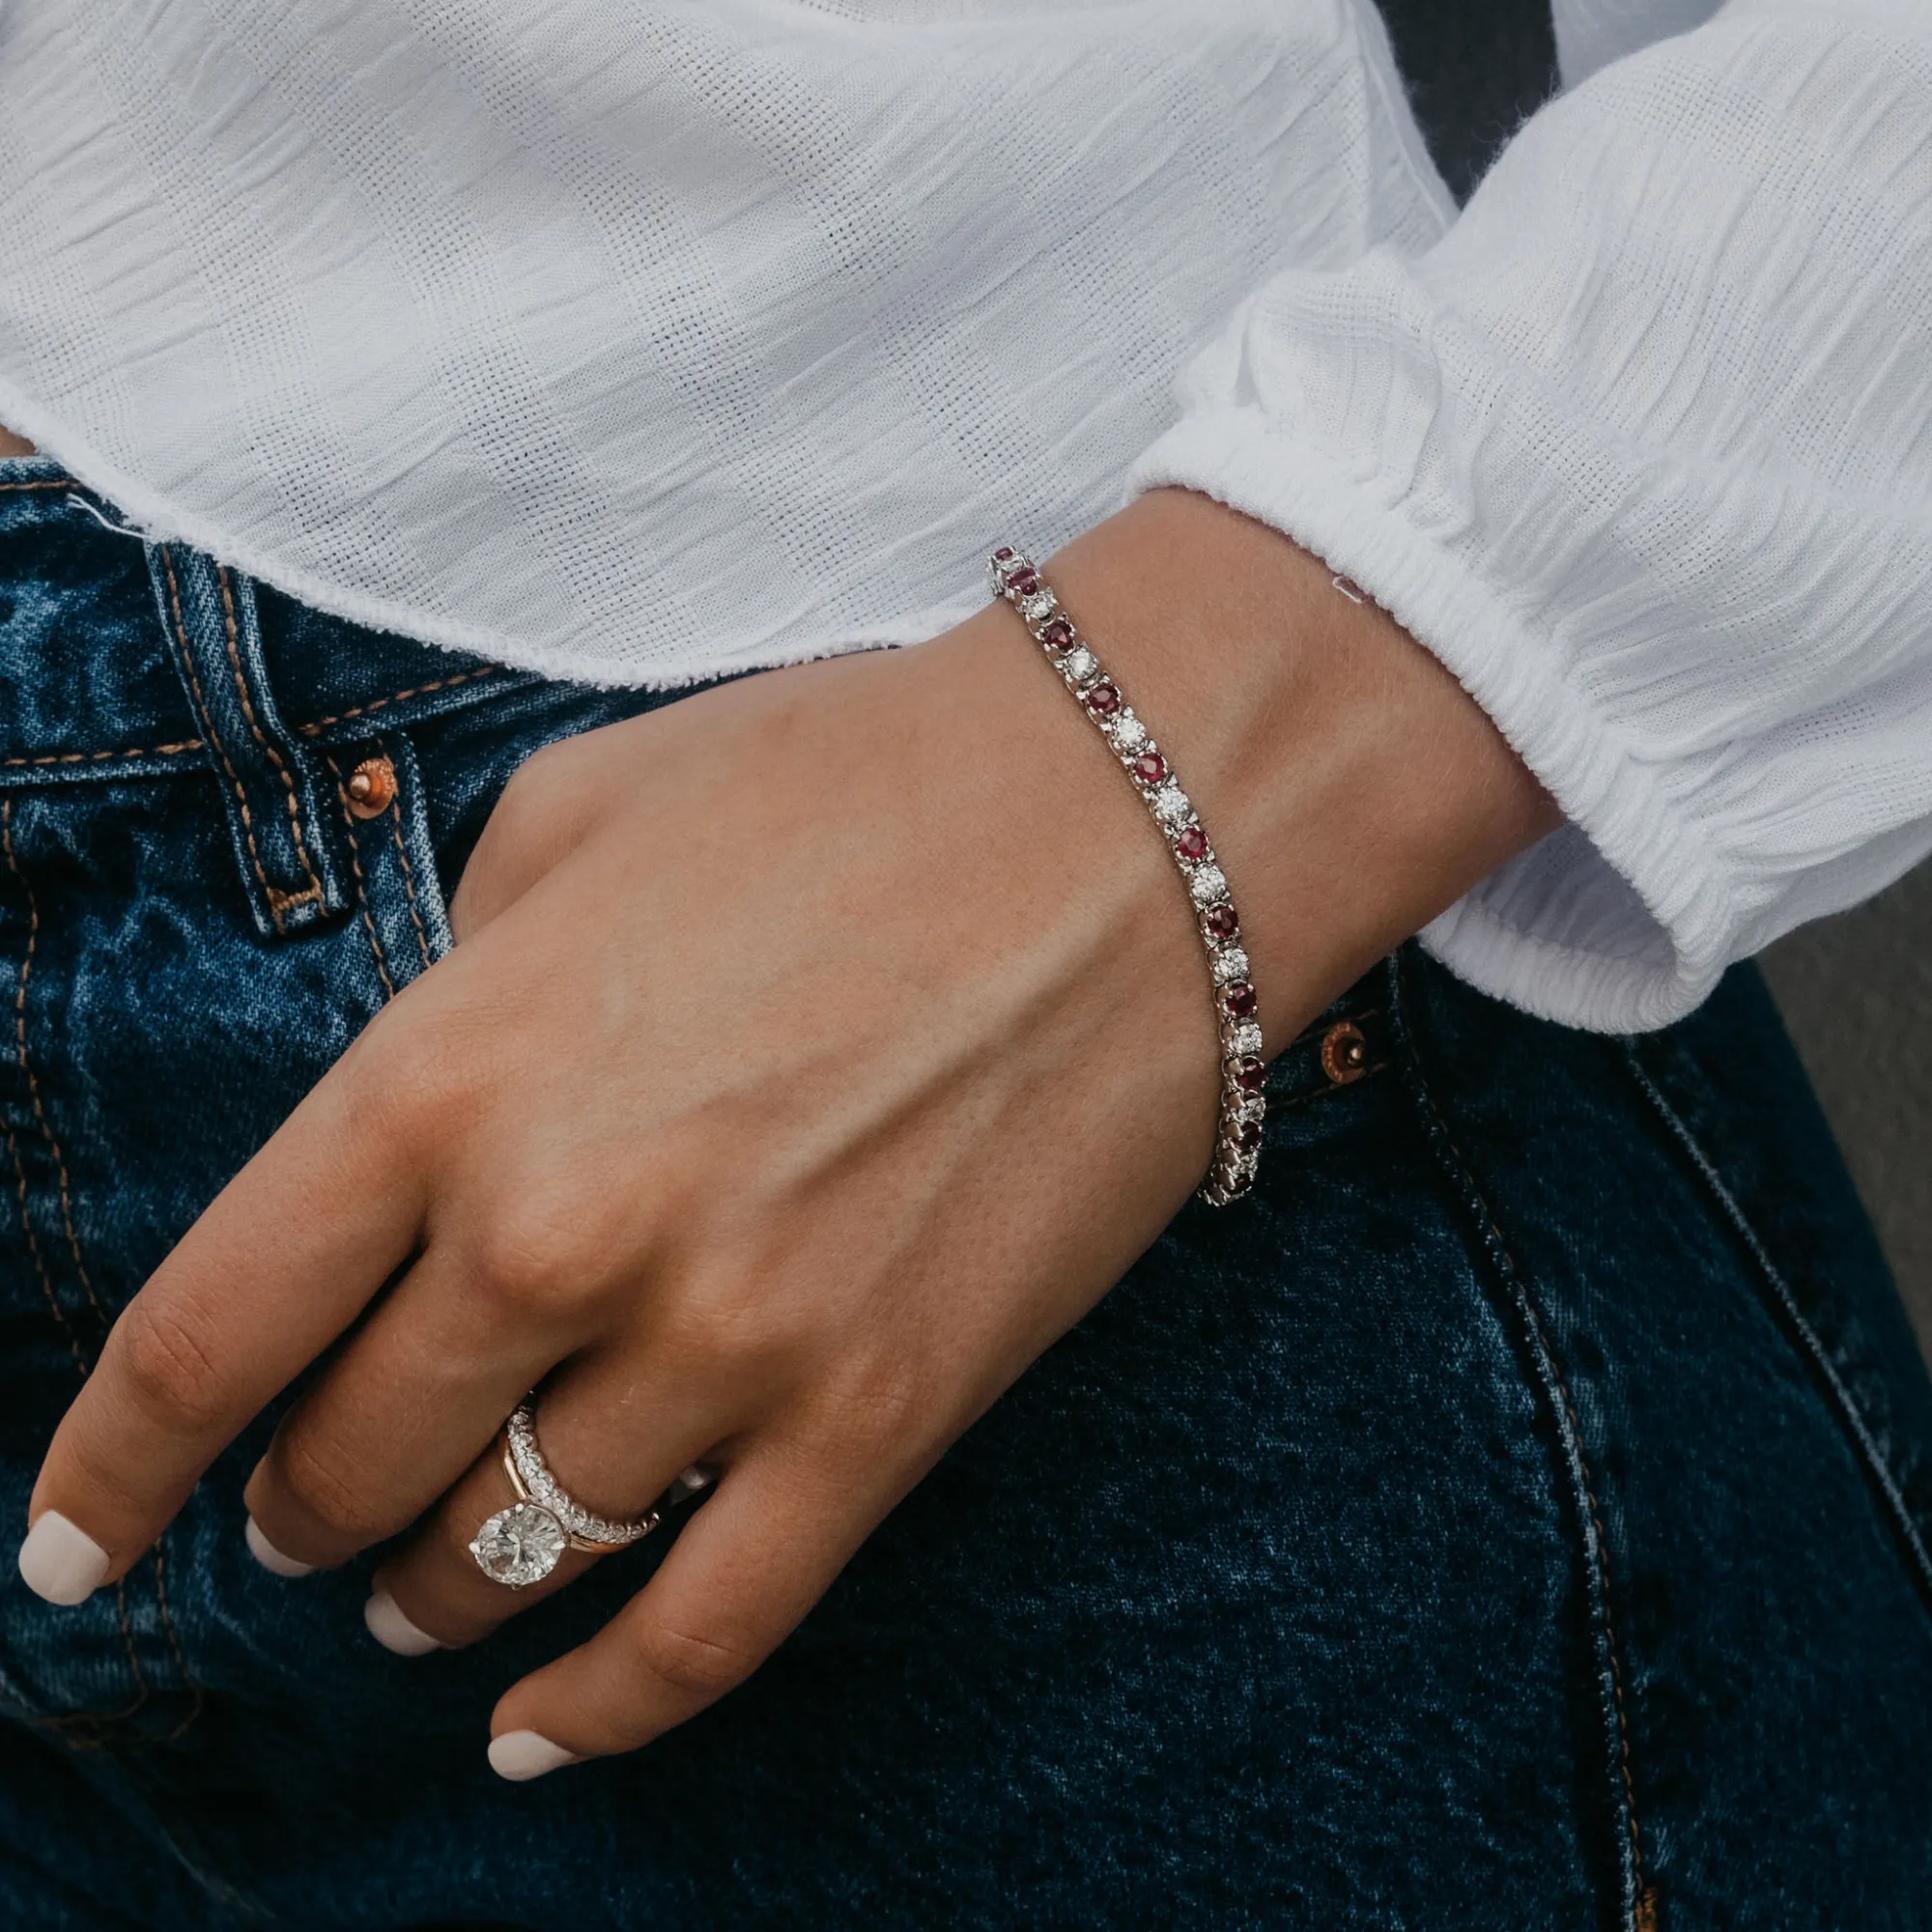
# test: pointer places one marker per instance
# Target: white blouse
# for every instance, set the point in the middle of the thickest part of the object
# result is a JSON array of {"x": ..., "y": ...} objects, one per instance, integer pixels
[{"x": 636, "y": 340}]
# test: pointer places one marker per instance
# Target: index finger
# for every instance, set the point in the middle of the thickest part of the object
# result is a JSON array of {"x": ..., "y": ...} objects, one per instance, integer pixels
[{"x": 280, "y": 1264}]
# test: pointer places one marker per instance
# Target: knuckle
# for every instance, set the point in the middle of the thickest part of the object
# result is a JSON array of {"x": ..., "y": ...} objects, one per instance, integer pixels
[
  {"x": 694, "y": 1665},
  {"x": 167, "y": 1363},
  {"x": 328, "y": 1488},
  {"x": 533, "y": 1265}
]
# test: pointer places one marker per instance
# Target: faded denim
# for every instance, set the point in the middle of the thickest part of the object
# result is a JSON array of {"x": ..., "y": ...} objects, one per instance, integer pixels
[{"x": 1515, "y": 1516}]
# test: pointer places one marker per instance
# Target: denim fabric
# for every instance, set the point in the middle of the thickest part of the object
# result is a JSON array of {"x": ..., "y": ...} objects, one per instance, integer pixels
[{"x": 1515, "y": 1516}]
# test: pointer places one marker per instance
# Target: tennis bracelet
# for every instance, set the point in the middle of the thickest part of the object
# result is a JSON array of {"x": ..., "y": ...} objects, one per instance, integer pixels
[{"x": 1237, "y": 1140}]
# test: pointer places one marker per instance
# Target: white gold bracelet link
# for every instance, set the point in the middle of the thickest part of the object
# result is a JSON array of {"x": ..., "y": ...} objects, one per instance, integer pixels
[{"x": 1238, "y": 1141}]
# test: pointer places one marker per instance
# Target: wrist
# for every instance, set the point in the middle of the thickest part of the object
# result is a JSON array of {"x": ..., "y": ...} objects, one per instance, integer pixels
[{"x": 1353, "y": 790}]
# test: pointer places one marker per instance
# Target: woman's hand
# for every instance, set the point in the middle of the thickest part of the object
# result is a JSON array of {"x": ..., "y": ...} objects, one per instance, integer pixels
[{"x": 816, "y": 1051}]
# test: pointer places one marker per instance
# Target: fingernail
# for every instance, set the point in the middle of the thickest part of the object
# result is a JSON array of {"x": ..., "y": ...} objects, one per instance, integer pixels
[
  {"x": 60, "y": 1561},
  {"x": 393, "y": 1630},
  {"x": 269, "y": 1556},
  {"x": 522, "y": 1755}
]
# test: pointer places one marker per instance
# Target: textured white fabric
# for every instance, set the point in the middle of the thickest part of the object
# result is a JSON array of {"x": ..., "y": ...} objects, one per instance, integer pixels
[
  {"x": 636, "y": 341},
  {"x": 1642, "y": 449}
]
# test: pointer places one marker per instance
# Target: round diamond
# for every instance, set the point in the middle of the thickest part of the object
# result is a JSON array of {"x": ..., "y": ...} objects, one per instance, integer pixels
[
  {"x": 1208, "y": 885},
  {"x": 1230, "y": 965},
  {"x": 1080, "y": 665},
  {"x": 1171, "y": 804},
  {"x": 1245, "y": 1039},
  {"x": 519, "y": 1545},
  {"x": 1127, "y": 732}
]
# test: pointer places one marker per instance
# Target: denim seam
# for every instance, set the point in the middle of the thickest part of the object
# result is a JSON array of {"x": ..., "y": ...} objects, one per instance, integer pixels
[
  {"x": 65, "y": 1327},
  {"x": 197, "y": 1698},
  {"x": 26, "y": 1065},
  {"x": 40, "y": 1262},
  {"x": 103, "y": 757},
  {"x": 395, "y": 817},
  {"x": 42, "y": 483},
  {"x": 273, "y": 897},
  {"x": 361, "y": 885},
  {"x": 1639, "y": 1901},
  {"x": 321, "y": 724},
  {"x": 314, "y": 890},
  {"x": 1810, "y": 1340}
]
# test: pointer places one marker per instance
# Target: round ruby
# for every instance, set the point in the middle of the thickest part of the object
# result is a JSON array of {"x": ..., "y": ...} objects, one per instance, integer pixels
[
  {"x": 1059, "y": 633},
  {"x": 1192, "y": 844},
  {"x": 1250, "y": 1136},
  {"x": 1025, "y": 581},
  {"x": 1251, "y": 1076},
  {"x": 1223, "y": 921},
  {"x": 1240, "y": 999},
  {"x": 1149, "y": 768},
  {"x": 1004, "y": 555},
  {"x": 1103, "y": 700}
]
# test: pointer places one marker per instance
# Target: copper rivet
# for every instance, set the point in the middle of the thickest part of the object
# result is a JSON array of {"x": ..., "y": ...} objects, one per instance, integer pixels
[
  {"x": 1345, "y": 1053},
  {"x": 371, "y": 788}
]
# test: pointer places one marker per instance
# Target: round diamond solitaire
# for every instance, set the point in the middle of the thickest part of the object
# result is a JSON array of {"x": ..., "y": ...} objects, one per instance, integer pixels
[{"x": 519, "y": 1544}]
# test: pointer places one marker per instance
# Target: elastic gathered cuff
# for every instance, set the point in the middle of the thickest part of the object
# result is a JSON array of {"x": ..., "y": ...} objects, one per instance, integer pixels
[{"x": 1666, "y": 912}]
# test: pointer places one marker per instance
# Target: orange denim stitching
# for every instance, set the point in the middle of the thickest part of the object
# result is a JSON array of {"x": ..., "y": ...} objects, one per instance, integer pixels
[
  {"x": 396, "y": 698},
  {"x": 409, "y": 878},
  {"x": 42, "y": 483},
  {"x": 314, "y": 890},
  {"x": 101, "y": 757},
  {"x": 274, "y": 897}
]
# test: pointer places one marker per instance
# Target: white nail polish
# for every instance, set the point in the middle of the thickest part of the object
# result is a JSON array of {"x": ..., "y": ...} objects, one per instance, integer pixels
[
  {"x": 522, "y": 1755},
  {"x": 60, "y": 1561},
  {"x": 269, "y": 1556},
  {"x": 393, "y": 1630}
]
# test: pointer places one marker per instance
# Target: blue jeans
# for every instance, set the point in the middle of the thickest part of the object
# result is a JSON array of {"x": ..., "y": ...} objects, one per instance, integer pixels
[{"x": 1516, "y": 1515}]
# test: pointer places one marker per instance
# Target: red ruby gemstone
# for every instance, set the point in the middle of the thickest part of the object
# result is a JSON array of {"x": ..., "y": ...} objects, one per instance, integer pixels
[
  {"x": 1025, "y": 581},
  {"x": 1149, "y": 768},
  {"x": 1250, "y": 1136},
  {"x": 1105, "y": 699},
  {"x": 1192, "y": 844},
  {"x": 1251, "y": 1076},
  {"x": 1240, "y": 999},
  {"x": 1223, "y": 921},
  {"x": 1004, "y": 555},
  {"x": 1059, "y": 633}
]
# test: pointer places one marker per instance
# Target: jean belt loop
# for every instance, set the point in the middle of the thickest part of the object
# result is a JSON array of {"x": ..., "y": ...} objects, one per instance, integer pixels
[{"x": 277, "y": 792}]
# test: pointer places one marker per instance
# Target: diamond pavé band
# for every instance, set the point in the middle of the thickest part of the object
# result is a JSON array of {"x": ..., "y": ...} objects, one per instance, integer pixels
[
  {"x": 522, "y": 1545},
  {"x": 1237, "y": 1142}
]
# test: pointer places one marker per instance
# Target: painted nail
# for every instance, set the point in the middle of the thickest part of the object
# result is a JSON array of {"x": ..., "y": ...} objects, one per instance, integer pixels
[
  {"x": 393, "y": 1630},
  {"x": 522, "y": 1755},
  {"x": 269, "y": 1556},
  {"x": 60, "y": 1561}
]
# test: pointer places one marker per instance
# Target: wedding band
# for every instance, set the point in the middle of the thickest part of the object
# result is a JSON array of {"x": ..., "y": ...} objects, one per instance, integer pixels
[{"x": 522, "y": 1544}]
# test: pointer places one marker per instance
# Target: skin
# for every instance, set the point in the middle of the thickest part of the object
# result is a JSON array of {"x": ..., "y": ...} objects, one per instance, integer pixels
[{"x": 814, "y": 1053}]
